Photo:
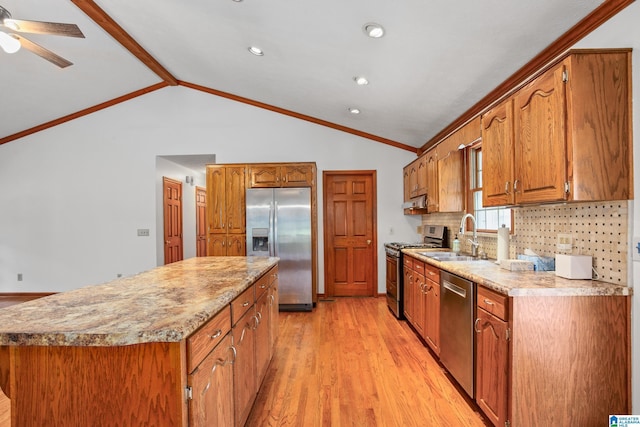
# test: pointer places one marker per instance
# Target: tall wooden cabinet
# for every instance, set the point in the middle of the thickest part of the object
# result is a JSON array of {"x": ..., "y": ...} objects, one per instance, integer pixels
[
  {"x": 226, "y": 210},
  {"x": 568, "y": 137}
]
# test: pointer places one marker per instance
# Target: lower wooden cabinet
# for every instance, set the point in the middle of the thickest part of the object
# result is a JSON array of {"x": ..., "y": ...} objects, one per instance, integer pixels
[
  {"x": 244, "y": 367},
  {"x": 431, "y": 292},
  {"x": 492, "y": 355},
  {"x": 223, "y": 384},
  {"x": 227, "y": 245},
  {"x": 263, "y": 348},
  {"x": 211, "y": 385},
  {"x": 492, "y": 352}
]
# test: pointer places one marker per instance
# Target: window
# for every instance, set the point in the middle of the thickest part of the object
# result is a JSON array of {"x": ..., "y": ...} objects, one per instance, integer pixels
[{"x": 490, "y": 218}]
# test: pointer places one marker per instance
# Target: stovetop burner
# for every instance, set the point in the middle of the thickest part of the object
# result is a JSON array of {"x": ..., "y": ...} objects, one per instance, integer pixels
[{"x": 435, "y": 236}]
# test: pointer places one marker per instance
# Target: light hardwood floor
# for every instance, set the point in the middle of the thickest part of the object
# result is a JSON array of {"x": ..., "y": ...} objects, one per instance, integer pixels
[{"x": 351, "y": 363}]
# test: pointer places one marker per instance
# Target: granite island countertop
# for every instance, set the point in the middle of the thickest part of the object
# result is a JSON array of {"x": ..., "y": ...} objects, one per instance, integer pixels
[
  {"x": 165, "y": 304},
  {"x": 522, "y": 283}
]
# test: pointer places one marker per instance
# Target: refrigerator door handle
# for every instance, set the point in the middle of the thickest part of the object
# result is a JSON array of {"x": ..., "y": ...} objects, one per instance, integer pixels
[
  {"x": 275, "y": 230},
  {"x": 271, "y": 234}
]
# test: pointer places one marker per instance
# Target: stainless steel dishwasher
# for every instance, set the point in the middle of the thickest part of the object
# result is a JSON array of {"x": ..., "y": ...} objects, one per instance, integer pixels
[{"x": 457, "y": 307}]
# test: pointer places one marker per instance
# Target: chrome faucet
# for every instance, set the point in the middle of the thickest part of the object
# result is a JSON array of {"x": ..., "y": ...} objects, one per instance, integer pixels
[{"x": 474, "y": 241}]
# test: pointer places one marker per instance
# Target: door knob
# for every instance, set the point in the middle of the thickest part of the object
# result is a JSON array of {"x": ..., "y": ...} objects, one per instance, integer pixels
[{"x": 368, "y": 242}]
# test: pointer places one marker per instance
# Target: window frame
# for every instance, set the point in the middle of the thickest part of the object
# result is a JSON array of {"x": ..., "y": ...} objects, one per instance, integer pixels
[{"x": 470, "y": 156}]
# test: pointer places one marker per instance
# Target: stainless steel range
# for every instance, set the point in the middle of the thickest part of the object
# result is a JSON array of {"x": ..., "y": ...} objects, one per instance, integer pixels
[{"x": 435, "y": 236}]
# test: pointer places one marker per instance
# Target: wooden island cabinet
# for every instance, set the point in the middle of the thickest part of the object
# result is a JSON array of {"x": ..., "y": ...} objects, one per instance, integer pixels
[{"x": 179, "y": 345}]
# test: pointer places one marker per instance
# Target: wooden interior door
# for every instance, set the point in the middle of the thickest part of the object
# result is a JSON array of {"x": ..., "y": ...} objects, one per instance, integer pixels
[
  {"x": 201, "y": 221},
  {"x": 172, "y": 190},
  {"x": 350, "y": 233}
]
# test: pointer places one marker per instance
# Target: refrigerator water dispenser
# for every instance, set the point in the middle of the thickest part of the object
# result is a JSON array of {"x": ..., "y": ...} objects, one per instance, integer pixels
[{"x": 260, "y": 237}]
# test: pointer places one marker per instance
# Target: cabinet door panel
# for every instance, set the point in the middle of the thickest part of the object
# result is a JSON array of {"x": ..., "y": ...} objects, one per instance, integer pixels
[
  {"x": 244, "y": 368},
  {"x": 298, "y": 175},
  {"x": 492, "y": 350},
  {"x": 216, "y": 200},
  {"x": 217, "y": 245},
  {"x": 540, "y": 139},
  {"x": 262, "y": 337},
  {"x": 498, "y": 155},
  {"x": 432, "y": 315},
  {"x": 450, "y": 176},
  {"x": 212, "y": 388},
  {"x": 431, "y": 166},
  {"x": 235, "y": 198},
  {"x": 264, "y": 176}
]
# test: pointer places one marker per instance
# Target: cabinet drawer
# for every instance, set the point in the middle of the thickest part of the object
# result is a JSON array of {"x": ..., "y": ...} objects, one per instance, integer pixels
[
  {"x": 201, "y": 342},
  {"x": 431, "y": 272},
  {"x": 242, "y": 303},
  {"x": 262, "y": 285},
  {"x": 407, "y": 262},
  {"x": 418, "y": 266},
  {"x": 493, "y": 302}
]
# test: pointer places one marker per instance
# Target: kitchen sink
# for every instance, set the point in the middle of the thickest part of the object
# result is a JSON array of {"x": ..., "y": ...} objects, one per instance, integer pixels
[{"x": 447, "y": 256}]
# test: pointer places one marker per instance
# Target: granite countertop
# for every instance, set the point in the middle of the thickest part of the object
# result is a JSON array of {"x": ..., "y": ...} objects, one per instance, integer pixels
[
  {"x": 522, "y": 283},
  {"x": 165, "y": 304}
]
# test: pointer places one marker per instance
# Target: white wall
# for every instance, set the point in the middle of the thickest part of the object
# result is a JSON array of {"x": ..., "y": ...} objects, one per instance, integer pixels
[
  {"x": 623, "y": 31},
  {"x": 74, "y": 196},
  {"x": 169, "y": 169}
]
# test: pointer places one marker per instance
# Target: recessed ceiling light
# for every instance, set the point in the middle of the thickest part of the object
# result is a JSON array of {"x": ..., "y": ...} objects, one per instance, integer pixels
[
  {"x": 354, "y": 110},
  {"x": 362, "y": 81},
  {"x": 256, "y": 51},
  {"x": 373, "y": 30}
]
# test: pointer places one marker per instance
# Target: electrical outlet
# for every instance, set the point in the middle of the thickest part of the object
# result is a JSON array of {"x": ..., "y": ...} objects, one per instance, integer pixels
[
  {"x": 19, "y": 277},
  {"x": 565, "y": 242},
  {"x": 419, "y": 229},
  {"x": 143, "y": 232}
]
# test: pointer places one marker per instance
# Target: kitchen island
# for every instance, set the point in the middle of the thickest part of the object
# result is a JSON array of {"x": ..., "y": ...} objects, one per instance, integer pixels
[
  {"x": 120, "y": 353},
  {"x": 548, "y": 350}
]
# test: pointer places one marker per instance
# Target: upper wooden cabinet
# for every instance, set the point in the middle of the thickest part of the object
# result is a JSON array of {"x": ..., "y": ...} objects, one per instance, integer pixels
[
  {"x": 569, "y": 135},
  {"x": 226, "y": 209},
  {"x": 271, "y": 175},
  {"x": 498, "y": 152},
  {"x": 430, "y": 160}
]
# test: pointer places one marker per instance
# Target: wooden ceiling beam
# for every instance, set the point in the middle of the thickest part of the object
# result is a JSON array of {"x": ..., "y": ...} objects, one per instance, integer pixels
[
  {"x": 597, "y": 17},
  {"x": 101, "y": 18}
]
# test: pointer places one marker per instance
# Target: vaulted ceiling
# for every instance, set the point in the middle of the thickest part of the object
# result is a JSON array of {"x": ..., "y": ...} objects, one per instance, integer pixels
[{"x": 436, "y": 60}]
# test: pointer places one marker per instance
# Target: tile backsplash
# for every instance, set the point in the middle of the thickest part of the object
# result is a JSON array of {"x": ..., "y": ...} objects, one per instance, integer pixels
[{"x": 597, "y": 229}]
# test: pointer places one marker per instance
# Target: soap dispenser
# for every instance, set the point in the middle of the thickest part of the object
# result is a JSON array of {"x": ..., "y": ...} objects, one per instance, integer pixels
[{"x": 456, "y": 245}]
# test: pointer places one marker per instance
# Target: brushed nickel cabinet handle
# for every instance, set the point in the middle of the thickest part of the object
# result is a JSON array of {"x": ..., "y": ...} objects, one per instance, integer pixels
[{"x": 216, "y": 334}]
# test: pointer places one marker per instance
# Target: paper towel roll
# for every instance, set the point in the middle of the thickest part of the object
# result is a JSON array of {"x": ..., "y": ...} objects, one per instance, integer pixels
[{"x": 503, "y": 243}]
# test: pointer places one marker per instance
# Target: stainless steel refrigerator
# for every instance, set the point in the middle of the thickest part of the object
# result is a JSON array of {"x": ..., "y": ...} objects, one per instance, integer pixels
[{"x": 279, "y": 224}]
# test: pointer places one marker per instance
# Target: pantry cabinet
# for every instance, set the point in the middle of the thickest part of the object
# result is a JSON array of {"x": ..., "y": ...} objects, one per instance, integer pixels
[
  {"x": 226, "y": 209},
  {"x": 569, "y": 135}
]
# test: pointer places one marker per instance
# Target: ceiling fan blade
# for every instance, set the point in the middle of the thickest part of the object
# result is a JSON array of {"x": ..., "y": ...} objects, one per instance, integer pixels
[
  {"x": 37, "y": 27},
  {"x": 42, "y": 52}
]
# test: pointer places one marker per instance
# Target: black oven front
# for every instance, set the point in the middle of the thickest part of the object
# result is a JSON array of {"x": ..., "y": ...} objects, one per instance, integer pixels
[{"x": 435, "y": 236}]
